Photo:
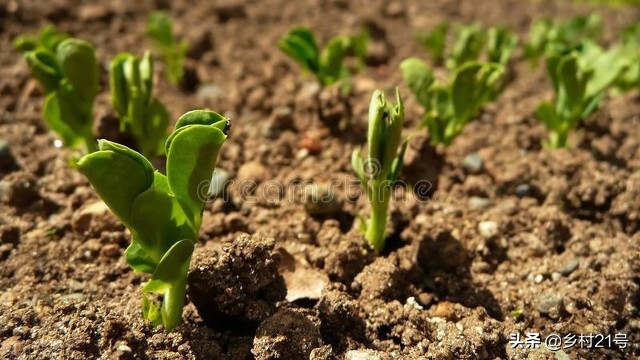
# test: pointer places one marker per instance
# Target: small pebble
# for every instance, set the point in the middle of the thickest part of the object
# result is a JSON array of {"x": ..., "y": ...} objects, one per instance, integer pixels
[
  {"x": 412, "y": 301},
  {"x": 538, "y": 278},
  {"x": 124, "y": 348},
  {"x": 473, "y": 163},
  {"x": 110, "y": 251},
  {"x": 523, "y": 190},
  {"x": 321, "y": 199},
  {"x": 570, "y": 267},
  {"x": 488, "y": 229},
  {"x": 555, "y": 276},
  {"x": 547, "y": 302},
  {"x": 479, "y": 202}
]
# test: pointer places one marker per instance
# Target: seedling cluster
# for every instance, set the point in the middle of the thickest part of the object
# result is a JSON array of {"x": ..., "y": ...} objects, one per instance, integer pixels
[
  {"x": 164, "y": 211},
  {"x": 469, "y": 43},
  {"x": 327, "y": 65}
]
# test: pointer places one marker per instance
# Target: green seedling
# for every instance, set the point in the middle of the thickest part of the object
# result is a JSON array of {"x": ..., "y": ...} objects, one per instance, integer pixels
[
  {"x": 67, "y": 69},
  {"x": 48, "y": 38},
  {"x": 580, "y": 81},
  {"x": 468, "y": 46},
  {"x": 380, "y": 167},
  {"x": 140, "y": 113},
  {"x": 629, "y": 49},
  {"x": 471, "y": 43},
  {"x": 173, "y": 51},
  {"x": 326, "y": 65},
  {"x": 163, "y": 213},
  {"x": 501, "y": 42},
  {"x": 448, "y": 108},
  {"x": 546, "y": 36},
  {"x": 435, "y": 42}
]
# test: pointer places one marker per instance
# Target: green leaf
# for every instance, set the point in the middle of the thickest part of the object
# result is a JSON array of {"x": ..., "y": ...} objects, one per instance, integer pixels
[
  {"x": 155, "y": 128},
  {"x": 300, "y": 45},
  {"x": 500, "y": 44},
  {"x": 201, "y": 117},
  {"x": 192, "y": 152},
  {"x": 25, "y": 43},
  {"x": 45, "y": 69},
  {"x": 119, "y": 175},
  {"x": 159, "y": 28},
  {"x": 331, "y": 59},
  {"x": 172, "y": 267},
  {"x": 170, "y": 278},
  {"x": 435, "y": 41},
  {"x": 138, "y": 258},
  {"x": 156, "y": 237},
  {"x": 118, "y": 84},
  {"x": 54, "y": 120},
  {"x": 397, "y": 162},
  {"x": 358, "y": 165},
  {"x": 465, "y": 90},
  {"x": 572, "y": 86},
  {"x": 547, "y": 115},
  {"x": 419, "y": 79},
  {"x": 468, "y": 45},
  {"x": 79, "y": 64},
  {"x": 150, "y": 311}
]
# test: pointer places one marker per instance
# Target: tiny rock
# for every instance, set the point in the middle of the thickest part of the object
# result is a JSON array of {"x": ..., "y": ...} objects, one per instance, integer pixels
[
  {"x": 523, "y": 190},
  {"x": 488, "y": 229},
  {"x": 569, "y": 267},
  {"x": 365, "y": 355},
  {"x": 313, "y": 146},
  {"x": 473, "y": 163},
  {"x": 321, "y": 199},
  {"x": 479, "y": 202},
  {"x": 252, "y": 171},
  {"x": 110, "y": 251},
  {"x": 548, "y": 302},
  {"x": 445, "y": 310}
]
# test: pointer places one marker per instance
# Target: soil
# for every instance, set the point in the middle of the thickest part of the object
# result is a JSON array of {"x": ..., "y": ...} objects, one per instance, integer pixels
[{"x": 529, "y": 241}]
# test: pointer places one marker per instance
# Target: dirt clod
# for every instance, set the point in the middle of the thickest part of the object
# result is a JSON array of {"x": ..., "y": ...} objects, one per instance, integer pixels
[
  {"x": 286, "y": 335},
  {"x": 236, "y": 285}
]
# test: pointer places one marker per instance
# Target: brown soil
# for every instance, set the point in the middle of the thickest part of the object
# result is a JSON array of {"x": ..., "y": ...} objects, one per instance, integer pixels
[{"x": 533, "y": 241}]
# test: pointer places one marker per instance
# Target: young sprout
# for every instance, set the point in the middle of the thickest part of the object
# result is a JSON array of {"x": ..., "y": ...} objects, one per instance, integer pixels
[
  {"x": 435, "y": 42},
  {"x": 501, "y": 42},
  {"x": 546, "y": 36},
  {"x": 141, "y": 114},
  {"x": 163, "y": 213},
  {"x": 67, "y": 69},
  {"x": 629, "y": 49},
  {"x": 468, "y": 46},
  {"x": 448, "y": 108},
  {"x": 172, "y": 50},
  {"x": 580, "y": 81},
  {"x": 48, "y": 38},
  {"x": 471, "y": 42},
  {"x": 326, "y": 65},
  {"x": 381, "y": 166}
]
